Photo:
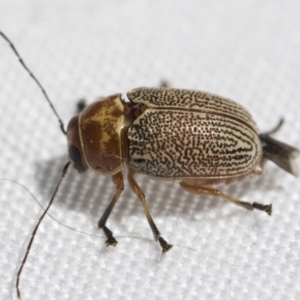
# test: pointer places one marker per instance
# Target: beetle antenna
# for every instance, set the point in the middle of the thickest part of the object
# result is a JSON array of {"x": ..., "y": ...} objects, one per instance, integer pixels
[
  {"x": 64, "y": 172},
  {"x": 35, "y": 79}
]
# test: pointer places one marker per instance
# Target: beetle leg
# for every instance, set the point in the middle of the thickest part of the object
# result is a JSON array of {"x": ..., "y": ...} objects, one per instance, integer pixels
[
  {"x": 164, "y": 84},
  {"x": 118, "y": 181},
  {"x": 276, "y": 128},
  {"x": 81, "y": 105},
  {"x": 197, "y": 189},
  {"x": 138, "y": 191}
]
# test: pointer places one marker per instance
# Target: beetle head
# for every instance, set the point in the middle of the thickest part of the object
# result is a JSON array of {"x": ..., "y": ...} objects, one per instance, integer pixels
[{"x": 74, "y": 146}]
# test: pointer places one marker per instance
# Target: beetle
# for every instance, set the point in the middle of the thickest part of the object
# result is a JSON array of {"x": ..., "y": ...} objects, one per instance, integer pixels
[{"x": 197, "y": 138}]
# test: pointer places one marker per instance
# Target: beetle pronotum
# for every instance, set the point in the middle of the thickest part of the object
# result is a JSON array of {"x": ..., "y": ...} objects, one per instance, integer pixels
[{"x": 194, "y": 137}]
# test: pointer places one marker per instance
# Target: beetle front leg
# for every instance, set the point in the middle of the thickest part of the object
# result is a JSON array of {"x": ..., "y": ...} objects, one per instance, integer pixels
[
  {"x": 201, "y": 190},
  {"x": 137, "y": 190},
  {"x": 81, "y": 105},
  {"x": 118, "y": 181}
]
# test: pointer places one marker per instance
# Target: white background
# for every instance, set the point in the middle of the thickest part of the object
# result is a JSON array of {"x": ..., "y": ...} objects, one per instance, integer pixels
[{"x": 244, "y": 50}]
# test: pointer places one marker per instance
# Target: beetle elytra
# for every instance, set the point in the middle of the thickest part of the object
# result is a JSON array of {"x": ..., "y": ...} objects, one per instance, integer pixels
[{"x": 197, "y": 138}]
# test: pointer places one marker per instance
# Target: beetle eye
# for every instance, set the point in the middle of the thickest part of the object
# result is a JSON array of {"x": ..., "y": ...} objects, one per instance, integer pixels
[{"x": 75, "y": 157}]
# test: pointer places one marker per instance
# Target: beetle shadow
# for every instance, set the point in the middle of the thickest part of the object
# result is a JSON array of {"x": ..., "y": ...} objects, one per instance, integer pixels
[{"x": 90, "y": 193}]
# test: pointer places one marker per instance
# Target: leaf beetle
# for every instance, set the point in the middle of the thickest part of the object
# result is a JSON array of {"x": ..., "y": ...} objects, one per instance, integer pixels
[{"x": 197, "y": 138}]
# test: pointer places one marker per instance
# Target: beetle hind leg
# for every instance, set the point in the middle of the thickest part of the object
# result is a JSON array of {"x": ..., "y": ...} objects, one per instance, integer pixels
[
  {"x": 138, "y": 191},
  {"x": 276, "y": 128},
  {"x": 118, "y": 181},
  {"x": 201, "y": 190}
]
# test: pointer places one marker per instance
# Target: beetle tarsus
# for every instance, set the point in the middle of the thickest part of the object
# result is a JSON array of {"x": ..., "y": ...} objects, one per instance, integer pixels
[
  {"x": 111, "y": 241},
  {"x": 263, "y": 207},
  {"x": 267, "y": 208},
  {"x": 164, "y": 245}
]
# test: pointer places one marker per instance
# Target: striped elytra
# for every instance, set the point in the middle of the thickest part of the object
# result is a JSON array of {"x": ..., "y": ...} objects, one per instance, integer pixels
[
  {"x": 190, "y": 134},
  {"x": 193, "y": 137}
]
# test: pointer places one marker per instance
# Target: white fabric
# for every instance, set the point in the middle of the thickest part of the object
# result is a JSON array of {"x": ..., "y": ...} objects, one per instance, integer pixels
[{"x": 244, "y": 50}]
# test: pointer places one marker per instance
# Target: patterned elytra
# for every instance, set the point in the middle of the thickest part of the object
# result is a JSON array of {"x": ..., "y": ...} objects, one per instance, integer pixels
[
  {"x": 187, "y": 134},
  {"x": 188, "y": 99}
]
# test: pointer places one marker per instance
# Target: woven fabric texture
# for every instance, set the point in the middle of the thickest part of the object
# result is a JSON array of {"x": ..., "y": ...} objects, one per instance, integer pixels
[{"x": 247, "y": 51}]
